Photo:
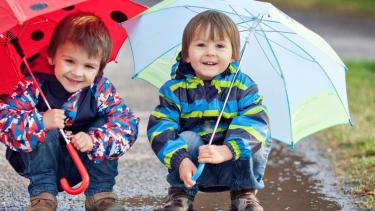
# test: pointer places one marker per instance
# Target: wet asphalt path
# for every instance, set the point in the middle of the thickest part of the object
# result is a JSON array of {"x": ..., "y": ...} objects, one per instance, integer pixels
[{"x": 300, "y": 179}]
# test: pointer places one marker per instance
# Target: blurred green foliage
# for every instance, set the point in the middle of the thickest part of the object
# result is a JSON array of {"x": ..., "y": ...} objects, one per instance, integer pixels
[{"x": 361, "y": 7}]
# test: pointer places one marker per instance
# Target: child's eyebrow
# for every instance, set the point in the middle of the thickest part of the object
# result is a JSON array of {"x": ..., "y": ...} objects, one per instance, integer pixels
[
  {"x": 94, "y": 64},
  {"x": 66, "y": 55}
]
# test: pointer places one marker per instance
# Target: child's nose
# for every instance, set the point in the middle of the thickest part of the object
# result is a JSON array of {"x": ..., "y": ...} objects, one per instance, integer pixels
[
  {"x": 77, "y": 71},
  {"x": 211, "y": 50}
]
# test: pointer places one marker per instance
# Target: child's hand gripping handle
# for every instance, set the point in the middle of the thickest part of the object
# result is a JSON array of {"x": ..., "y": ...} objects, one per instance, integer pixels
[
  {"x": 82, "y": 171},
  {"x": 198, "y": 172}
]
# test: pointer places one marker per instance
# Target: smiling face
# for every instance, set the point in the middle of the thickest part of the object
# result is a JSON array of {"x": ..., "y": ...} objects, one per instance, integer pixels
[
  {"x": 73, "y": 67},
  {"x": 209, "y": 57}
]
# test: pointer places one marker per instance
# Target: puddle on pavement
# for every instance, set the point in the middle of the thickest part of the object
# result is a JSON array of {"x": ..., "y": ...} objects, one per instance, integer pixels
[{"x": 287, "y": 188}]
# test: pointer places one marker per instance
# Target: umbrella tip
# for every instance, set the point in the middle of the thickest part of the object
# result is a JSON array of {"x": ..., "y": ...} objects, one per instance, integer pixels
[
  {"x": 292, "y": 145},
  {"x": 350, "y": 122}
]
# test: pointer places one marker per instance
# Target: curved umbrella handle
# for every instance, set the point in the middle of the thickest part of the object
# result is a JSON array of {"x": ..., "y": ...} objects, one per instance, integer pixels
[
  {"x": 198, "y": 172},
  {"x": 82, "y": 171}
]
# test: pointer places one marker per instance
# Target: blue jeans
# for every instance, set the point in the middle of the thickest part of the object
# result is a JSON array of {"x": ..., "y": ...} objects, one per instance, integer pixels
[
  {"x": 51, "y": 161},
  {"x": 232, "y": 175}
]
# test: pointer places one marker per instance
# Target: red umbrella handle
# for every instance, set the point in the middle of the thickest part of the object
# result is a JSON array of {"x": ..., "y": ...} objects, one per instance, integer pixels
[{"x": 82, "y": 171}]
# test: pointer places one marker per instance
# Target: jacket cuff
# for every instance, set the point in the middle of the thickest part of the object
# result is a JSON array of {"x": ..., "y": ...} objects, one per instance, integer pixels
[
  {"x": 178, "y": 156},
  {"x": 235, "y": 156}
]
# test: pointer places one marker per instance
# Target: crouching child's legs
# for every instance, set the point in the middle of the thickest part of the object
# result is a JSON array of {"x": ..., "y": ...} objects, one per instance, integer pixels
[{"x": 40, "y": 166}]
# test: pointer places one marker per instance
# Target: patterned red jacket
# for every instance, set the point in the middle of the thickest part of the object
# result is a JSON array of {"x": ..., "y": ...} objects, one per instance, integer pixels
[{"x": 21, "y": 116}]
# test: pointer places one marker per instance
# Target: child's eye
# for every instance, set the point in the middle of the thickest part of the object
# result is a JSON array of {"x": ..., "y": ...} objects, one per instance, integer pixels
[
  {"x": 220, "y": 46},
  {"x": 89, "y": 67},
  {"x": 201, "y": 45},
  {"x": 69, "y": 61}
]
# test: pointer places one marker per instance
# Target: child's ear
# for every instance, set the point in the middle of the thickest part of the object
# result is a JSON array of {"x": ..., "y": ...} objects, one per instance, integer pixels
[
  {"x": 50, "y": 60},
  {"x": 187, "y": 60}
]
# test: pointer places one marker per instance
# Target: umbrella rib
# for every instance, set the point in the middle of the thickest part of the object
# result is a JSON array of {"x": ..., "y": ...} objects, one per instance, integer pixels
[
  {"x": 277, "y": 31},
  {"x": 284, "y": 32},
  {"x": 287, "y": 49},
  {"x": 283, "y": 35},
  {"x": 284, "y": 82},
  {"x": 265, "y": 20},
  {"x": 302, "y": 49},
  {"x": 269, "y": 60},
  {"x": 251, "y": 17}
]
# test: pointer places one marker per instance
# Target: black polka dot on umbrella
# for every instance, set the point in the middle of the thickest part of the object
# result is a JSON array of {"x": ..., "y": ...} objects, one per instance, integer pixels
[
  {"x": 69, "y": 8},
  {"x": 118, "y": 16},
  {"x": 37, "y": 35}
]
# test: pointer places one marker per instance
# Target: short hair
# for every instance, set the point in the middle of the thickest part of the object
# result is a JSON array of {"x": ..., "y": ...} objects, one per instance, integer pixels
[
  {"x": 86, "y": 30},
  {"x": 219, "y": 26}
]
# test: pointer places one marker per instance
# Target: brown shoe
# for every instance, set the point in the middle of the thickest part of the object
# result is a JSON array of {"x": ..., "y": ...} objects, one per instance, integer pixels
[
  {"x": 104, "y": 201},
  {"x": 178, "y": 200},
  {"x": 43, "y": 202},
  {"x": 244, "y": 200}
]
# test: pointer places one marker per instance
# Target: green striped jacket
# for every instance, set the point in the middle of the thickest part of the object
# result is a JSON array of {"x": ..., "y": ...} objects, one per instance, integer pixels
[{"x": 188, "y": 103}]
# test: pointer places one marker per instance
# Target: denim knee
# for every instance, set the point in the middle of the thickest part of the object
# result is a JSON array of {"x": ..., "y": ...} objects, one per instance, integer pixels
[
  {"x": 194, "y": 141},
  {"x": 102, "y": 176},
  {"x": 250, "y": 173}
]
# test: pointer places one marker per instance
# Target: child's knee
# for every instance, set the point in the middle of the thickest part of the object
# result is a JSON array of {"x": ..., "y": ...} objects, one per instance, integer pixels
[{"x": 192, "y": 139}]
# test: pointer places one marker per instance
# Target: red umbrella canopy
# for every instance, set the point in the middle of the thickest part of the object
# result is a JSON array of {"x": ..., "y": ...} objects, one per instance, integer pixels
[
  {"x": 34, "y": 21},
  {"x": 14, "y": 12}
]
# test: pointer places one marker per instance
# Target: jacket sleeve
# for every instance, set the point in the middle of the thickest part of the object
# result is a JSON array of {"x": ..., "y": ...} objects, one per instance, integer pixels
[
  {"x": 120, "y": 131},
  {"x": 163, "y": 128},
  {"x": 249, "y": 130},
  {"x": 21, "y": 125}
]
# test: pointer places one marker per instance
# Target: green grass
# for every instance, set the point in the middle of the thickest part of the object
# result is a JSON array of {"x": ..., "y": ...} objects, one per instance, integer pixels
[
  {"x": 354, "y": 148},
  {"x": 362, "y": 7}
]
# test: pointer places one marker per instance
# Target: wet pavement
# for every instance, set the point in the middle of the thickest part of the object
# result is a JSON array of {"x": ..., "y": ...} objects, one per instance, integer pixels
[
  {"x": 293, "y": 182},
  {"x": 299, "y": 179}
]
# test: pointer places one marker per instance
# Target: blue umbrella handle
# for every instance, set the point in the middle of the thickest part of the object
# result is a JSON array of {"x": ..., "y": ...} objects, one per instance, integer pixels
[{"x": 198, "y": 172}]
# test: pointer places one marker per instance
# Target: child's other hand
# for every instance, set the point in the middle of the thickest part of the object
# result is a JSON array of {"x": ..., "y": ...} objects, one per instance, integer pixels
[
  {"x": 187, "y": 169},
  {"x": 54, "y": 119},
  {"x": 82, "y": 142},
  {"x": 214, "y": 154}
]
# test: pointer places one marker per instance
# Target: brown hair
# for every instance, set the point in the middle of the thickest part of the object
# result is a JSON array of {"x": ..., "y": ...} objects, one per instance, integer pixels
[
  {"x": 218, "y": 24},
  {"x": 86, "y": 30}
]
